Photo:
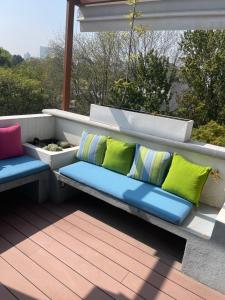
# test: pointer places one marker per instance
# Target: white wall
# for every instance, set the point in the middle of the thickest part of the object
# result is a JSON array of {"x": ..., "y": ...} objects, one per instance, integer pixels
[
  {"x": 161, "y": 126},
  {"x": 38, "y": 125}
]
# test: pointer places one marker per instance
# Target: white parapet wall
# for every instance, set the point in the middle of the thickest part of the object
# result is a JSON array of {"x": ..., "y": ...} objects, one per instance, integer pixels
[
  {"x": 36, "y": 125},
  {"x": 69, "y": 126},
  {"x": 160, "y": 126}
]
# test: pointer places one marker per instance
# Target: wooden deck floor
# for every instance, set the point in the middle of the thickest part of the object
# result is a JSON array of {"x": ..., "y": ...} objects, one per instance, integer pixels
[{"x": 85, "y": 249}]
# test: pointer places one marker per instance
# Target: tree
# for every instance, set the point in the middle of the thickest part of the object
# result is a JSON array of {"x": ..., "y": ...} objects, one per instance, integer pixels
[
  {"x": 16, "y": 60},
  {"x": 8, "y": 60},
  {"x": 149, "y": 87},
  {"x": 19, "y": 94},
  {"x": 97, "y": 62},
  {"x": 49, "y": 72},
  {"x": 5, "y": 58},
  {"x": 204, "y": 71},
  {"x": 100, "y": 59}
]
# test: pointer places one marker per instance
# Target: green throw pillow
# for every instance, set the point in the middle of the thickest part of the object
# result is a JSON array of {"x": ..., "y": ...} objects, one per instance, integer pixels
[
  {"x": 186, "y": 179},
  {"x": 92, "y": 148},
  {"x": 119, "y": 156}
]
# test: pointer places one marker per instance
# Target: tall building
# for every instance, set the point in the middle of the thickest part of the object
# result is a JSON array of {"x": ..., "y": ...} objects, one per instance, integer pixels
[{"x": 44, "y": 51}]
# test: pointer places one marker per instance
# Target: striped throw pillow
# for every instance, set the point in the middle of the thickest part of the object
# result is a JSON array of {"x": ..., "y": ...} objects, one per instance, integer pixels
[
  {"x": 92, "y": 148},
  {"x": 149, "y": 165}
]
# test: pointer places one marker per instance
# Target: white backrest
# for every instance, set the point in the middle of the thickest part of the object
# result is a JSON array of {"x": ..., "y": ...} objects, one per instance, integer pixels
[{"x": 69, "y": 127}]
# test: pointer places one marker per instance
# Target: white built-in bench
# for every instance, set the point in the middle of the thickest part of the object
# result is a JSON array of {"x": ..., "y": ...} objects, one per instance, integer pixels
[
  {"x": 29, "y": 174},
  {"x": 204, "y": 229}
]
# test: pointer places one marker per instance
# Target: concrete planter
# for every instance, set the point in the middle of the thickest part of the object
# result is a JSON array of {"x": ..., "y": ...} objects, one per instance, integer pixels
[
  {"x": 160, "y": 126},
  {"x": 55, "y": 160}
]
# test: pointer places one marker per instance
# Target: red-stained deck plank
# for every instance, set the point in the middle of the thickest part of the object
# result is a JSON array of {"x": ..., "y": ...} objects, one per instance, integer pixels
[
  {"x": 5, "y": 294},
  {"x": 109, "y": 238},
  {"x": 188, "y": 283},
  {"x": 17, "y": 284},
  {"x": 55, "y": 267},
  {"x": 168, "y": 259},
  {"x": 141, "y": 246},
  {"x": 96, "y": 258},
  {"x": 140, "y": 255},
  {"x": 100, "y": 279},
  {"x": 64, "y": 252},
  {"x": 146, "y": 290},
  {"x": 126, "y": 256},
  {"x": 149, "y": 275},
  {"x": 32, "y": 272}
]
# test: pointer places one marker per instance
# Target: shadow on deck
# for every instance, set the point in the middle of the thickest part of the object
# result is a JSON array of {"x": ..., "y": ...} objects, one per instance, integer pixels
[{"x": 86, "y": 249}]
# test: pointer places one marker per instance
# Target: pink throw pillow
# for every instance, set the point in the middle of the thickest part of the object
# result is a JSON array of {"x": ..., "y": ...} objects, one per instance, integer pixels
[{"x": 10, "y": 142}]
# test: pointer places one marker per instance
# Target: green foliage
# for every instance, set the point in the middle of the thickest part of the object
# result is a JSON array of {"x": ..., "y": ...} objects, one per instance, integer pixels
[
  {"x": 150, "y": 87},
  {"x": 16, "y": 60},
  {"x": 53, "y": 148},
  {"x": 212, "y": 133},
  {"x": 189, "y": 107},
  {"x": 204, "y": 71},
  {"x": 5, "y": 58},
  {"x": 8, "y": 60},
  {"x": 19, "y": 94},
  {"x": 49, "y": 72},
  {"x": 133, "y": 98},
  {"x": 21, "y": 90},
  {"x": 63, "y": 144},
  {"x": 99, "y": 60}
]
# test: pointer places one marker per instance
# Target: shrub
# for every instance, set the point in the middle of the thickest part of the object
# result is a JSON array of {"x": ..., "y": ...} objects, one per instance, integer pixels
[{"x": 212, "y": 133}]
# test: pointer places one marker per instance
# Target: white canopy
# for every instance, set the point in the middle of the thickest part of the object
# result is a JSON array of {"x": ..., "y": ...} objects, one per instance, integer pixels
[{"x": 155, "y": 15}]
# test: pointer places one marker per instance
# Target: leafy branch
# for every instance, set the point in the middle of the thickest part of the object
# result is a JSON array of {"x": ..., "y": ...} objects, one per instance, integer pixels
[{"x": 132, "y": 16}]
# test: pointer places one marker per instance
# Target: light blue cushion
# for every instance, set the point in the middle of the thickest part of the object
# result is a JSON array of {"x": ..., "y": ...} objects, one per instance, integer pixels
[
  {"x": 18, "y": 167},
  {"x": 142, "y": 195}
]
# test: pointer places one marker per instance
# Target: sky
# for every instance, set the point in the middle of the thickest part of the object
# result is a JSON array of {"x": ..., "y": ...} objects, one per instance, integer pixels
[{"x": 25, "y": 25}]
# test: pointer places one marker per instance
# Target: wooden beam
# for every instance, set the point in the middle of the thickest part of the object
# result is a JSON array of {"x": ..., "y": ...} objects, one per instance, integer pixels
[{"x": 68, "y": 54}]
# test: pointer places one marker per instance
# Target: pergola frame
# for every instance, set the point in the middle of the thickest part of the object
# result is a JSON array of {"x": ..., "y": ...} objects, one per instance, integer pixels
[{"x": 111, "y": 15}]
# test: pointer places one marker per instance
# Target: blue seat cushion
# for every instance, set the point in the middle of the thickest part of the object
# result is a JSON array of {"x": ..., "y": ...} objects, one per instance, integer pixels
[
  {"x": 144, "y": 196},
  {"x": 19, "y": 167}
]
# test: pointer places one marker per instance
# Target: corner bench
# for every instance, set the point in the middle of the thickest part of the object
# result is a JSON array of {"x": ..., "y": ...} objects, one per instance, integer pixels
[
  {"x": 203, "y": 229},
  {"x": 22, "y": 170}
]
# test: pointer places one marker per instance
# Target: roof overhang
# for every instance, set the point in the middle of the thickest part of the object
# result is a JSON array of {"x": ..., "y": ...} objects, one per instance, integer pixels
[{"x": 155, "y": 15}]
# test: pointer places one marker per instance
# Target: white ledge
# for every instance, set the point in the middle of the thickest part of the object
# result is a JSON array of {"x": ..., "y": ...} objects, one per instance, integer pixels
[
  {"x": 24, "y": 116},
  {"x": 206, "y": 149}
]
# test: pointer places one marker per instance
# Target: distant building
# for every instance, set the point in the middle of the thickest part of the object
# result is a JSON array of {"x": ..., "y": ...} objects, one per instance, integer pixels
[
  {"x": 44, "y": 51},
  {"x": 27, "y": 56}
]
